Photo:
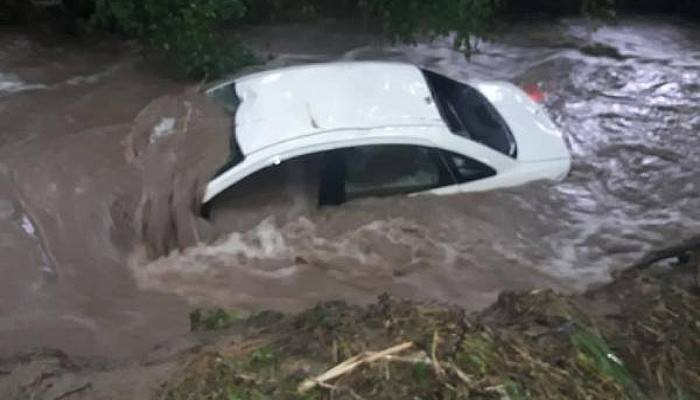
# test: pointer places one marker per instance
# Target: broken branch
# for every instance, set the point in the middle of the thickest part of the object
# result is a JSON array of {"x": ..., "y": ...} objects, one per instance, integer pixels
[{"x": 350, "y": 364}]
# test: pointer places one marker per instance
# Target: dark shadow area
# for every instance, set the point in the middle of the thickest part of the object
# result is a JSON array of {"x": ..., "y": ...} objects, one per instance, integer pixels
[{"x": 558, "y": 7}]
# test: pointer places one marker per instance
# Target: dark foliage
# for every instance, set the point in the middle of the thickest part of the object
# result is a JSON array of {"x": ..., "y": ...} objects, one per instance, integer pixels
[{"x": 187, "y": 31}]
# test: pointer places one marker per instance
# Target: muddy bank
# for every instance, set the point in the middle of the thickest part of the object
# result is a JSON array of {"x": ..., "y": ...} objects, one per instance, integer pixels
[{"x": 632, "y": 339}]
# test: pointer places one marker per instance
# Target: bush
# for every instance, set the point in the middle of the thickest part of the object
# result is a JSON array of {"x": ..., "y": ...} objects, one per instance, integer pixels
[
  {"x": 208, "y": 320},
  {"x": 185, "y": 30},
  {"x": 276, "y": 10},
  {"x": 465, "y": 19}
]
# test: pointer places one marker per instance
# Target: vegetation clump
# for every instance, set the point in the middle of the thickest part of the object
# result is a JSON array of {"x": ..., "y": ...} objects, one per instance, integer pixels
[
  {"x": 189, "y": 32},
  {"x": 186, "y": 31},
  {"x": 465, "y": 20},
  {"x": 213, "y": 319},
  {"x": 637, "y": 338}
]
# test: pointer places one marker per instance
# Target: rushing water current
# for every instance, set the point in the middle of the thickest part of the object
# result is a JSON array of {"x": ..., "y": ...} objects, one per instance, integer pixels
[{"x": 627, "y": 96}]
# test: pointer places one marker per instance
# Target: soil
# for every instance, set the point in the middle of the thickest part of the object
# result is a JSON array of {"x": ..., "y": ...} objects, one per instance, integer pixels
[{"x": 635, "y": 338}]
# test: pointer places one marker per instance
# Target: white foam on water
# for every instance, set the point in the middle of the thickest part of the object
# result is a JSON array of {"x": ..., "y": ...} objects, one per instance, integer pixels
[
  {"x": 264, "y": 241},
  {"x": 165, "y": 127},
  {"x": 10, "y": 84},
  {"x": 92, "y": 78},
  {"x": 28, "y": 226}
]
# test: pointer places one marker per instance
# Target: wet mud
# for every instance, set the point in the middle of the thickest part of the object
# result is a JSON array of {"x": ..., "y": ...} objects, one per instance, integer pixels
[{"x": 90, "y": 193}]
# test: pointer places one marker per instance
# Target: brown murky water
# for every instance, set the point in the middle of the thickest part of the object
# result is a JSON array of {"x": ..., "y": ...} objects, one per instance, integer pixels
[{"x": 627, "y": 95}]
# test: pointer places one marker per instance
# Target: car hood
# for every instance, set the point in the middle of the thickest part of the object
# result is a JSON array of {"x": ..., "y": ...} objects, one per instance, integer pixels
[{"x": 537, "y": 137}]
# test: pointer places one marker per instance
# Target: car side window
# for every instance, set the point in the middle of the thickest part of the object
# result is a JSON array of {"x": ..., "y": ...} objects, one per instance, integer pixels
[
  {"x": 391, "y": 169},
  {"x": 466, "y": 169}
]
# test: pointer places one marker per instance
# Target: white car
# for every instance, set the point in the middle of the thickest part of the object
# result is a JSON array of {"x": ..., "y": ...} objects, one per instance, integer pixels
[{"x": 388, "y": 128}]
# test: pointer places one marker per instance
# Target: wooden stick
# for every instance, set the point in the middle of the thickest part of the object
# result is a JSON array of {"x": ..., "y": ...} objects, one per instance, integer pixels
[
  {"x": 439, "y": 372},
  {"x": 350, "y": 364},
  {"x": 460, "y": 374}
]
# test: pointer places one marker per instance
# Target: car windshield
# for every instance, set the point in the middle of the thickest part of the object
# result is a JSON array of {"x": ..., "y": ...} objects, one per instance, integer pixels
[
  {"x": 226, "y": 97},
  {"x": 469, "y": 114}
]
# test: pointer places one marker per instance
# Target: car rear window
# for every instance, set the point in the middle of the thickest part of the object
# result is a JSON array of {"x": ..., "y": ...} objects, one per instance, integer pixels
[
  {"x": 469, "y": 114},
  {"x": 226, "y": 97}
]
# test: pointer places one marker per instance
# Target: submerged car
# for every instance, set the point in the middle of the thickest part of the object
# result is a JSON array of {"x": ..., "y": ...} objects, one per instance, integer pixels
[{"x": 388, "y": 128}]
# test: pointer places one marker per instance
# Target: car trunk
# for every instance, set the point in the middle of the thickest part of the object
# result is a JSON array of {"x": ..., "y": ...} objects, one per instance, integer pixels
[{"x": 537, "y": 137}]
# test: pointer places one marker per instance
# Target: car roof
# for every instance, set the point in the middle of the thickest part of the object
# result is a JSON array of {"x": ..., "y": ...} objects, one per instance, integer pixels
[{"x": 286, "y": 104}]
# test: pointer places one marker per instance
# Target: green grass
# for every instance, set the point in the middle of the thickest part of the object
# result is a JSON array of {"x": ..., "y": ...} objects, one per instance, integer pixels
[
  {"x": 217, "y": 318},
  {"x": 594, "y": 356}
]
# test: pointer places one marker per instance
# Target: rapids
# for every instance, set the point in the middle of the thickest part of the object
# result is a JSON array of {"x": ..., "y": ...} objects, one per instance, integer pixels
[{"x": 627, "y": 96}]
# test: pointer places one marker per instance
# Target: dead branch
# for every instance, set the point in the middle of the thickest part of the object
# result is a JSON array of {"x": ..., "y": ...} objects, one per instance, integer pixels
[
  {"x": 350, "y": 364},
  {"x": 439, "y": 371}
]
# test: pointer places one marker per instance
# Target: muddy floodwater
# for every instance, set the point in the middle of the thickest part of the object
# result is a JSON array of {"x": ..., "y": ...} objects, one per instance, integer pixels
[{"x": 72, "y": 276}]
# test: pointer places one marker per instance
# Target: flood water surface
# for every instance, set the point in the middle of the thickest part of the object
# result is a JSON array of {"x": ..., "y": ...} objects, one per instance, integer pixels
[{"x": 626, "y": 95}]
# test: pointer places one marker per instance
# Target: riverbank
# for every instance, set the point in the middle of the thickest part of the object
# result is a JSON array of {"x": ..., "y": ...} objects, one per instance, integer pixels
[{"x": 637, "y": 337}]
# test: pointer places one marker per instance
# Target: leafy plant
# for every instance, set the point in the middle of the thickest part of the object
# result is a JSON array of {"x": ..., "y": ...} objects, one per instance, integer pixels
[
  {"x": 185, "y": 30},
  {"x": 206, "y": 320},
  {"x": 595, "y": 356},
  {"x": 464, "y": 20}
]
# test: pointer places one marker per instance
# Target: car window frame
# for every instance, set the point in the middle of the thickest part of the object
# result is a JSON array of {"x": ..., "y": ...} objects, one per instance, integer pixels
[
  {"x": 255, "y": 162},
  {"x": 454, "y": 121},
  {"x": 442, "y": 158},
  {"x": 487, "y": 171},
  {"x": 230, "y": 103}
]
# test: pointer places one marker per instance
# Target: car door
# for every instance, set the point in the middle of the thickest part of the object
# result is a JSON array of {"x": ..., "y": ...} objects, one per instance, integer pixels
[{"x": 382, "y": 170}]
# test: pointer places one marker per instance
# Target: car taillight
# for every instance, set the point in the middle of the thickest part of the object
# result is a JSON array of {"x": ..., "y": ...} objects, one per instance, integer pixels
[{"x": 534, "y": 91}]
